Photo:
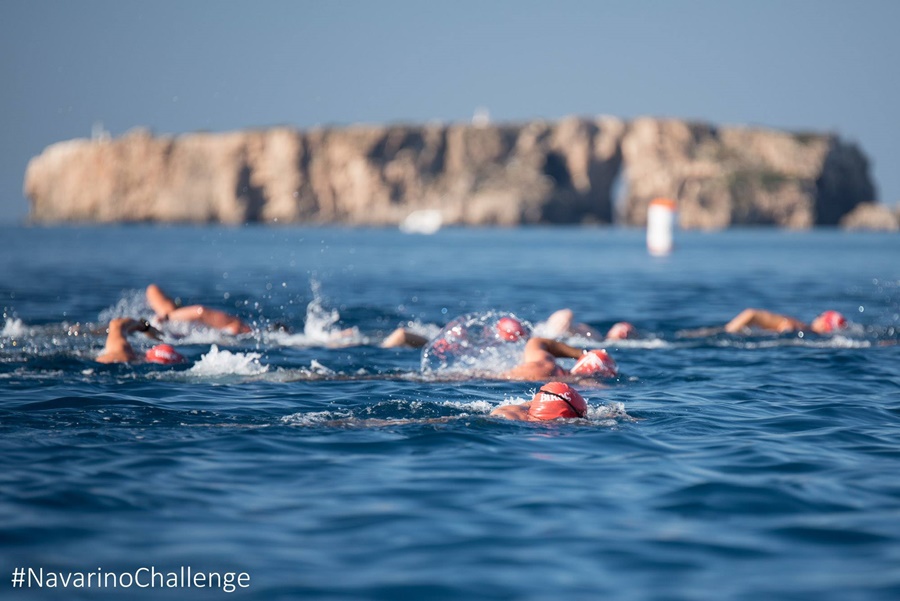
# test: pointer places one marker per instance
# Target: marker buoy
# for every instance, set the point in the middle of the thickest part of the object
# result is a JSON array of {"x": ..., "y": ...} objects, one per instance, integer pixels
[{"x": 661, "y": 225}]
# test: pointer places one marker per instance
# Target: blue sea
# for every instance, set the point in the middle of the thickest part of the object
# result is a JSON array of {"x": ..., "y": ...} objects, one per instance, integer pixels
[{"x": 323, "y": 466}]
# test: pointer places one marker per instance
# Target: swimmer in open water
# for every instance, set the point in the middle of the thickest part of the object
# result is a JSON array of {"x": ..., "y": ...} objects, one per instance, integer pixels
[
  {"x": 539, "y": 362},
  {"x": 119, "y": 350},
  {"x": 826, "y": 323},
  {"x": 759, "y": 319},
  {"x": 166, "y": 310},
  {"x": 561, "y": 323},
  {"x": 553, "y": 400}
]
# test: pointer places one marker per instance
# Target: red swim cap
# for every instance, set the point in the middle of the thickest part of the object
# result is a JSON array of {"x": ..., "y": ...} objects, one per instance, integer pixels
[
  {"x": 555, "y": 400},
  {"x": 829, "y": 321},
  {"x": 164, "y": 354},
  {"x": 621, "y": 331},
  {"x": 596, "y": 363},
  {"x": 510, "y": 329}
]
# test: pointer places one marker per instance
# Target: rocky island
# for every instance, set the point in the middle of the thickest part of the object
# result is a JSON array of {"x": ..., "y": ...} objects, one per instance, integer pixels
[{"x": 575, "y": 170}]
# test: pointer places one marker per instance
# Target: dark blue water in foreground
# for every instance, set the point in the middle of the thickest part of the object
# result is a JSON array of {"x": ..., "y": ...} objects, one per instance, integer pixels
[{"x": 713, "y": 468}]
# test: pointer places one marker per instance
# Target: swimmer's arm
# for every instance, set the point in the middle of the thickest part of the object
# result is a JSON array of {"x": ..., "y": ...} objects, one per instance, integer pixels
[
  {"x": 513, "y": 412},
  {"x": 554, "y": 347},
  {"x": 403, "y": 337},
  {"x": 764, "y": 320},
  {"x": 118, "y": 349}
]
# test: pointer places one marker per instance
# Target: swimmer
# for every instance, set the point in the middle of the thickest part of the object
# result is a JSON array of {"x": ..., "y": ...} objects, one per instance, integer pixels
[
  {"x": 506, "y": 329},
  {"x": 748, "y": 319},
  {"x": 562, "y": 323},
  {"x": 622, "y": 330},
  {"x": 166, "y": 310},
  {"x": 554, "y": 400},
  {"x": 539, "y": 361},
  {"x": 119, "y": 350}
]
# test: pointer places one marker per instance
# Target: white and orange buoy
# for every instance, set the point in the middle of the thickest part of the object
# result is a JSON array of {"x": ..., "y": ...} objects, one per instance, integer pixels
[{"x": 661, "y": 214}]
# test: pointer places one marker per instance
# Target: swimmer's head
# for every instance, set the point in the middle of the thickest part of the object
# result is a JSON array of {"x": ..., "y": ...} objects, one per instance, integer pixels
[
  {"x": 596, "y": 363},
  {"x": 511, "y": 329},
  {"x": 828, "y": 322},
  {"x": 621, "y": 331},
  {"x": 164, "y": 354},
  {"x": 555, "y": 400}
]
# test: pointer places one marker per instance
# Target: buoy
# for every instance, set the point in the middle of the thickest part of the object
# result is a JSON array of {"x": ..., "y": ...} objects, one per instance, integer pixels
[{"x": 661, "y": 225}]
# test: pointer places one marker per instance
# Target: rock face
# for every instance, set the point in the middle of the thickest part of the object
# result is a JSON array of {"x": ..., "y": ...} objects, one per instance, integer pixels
[
  {"x": 738, "y": 176},
  {"x": 871, "y": 216},
  {"x": 538, "y": 172}
]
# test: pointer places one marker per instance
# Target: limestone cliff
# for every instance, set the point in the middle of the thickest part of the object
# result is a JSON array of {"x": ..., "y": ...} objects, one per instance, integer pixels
[
  {"x": 725, "y": 176},
  {"x": 871, "y": 216},
  {"x": 537, "y": 172}
]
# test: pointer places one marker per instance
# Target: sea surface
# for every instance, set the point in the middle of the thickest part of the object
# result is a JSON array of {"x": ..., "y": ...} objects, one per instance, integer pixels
[{"x": 326, "y": 467}]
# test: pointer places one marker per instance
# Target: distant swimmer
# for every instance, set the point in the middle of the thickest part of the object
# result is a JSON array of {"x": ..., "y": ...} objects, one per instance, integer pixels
[
  {"x": 554, "y": 400},
  {"x": 562, "y": 323},
  {"x": 505, "y": 329},
  {"x": 750, "y": 319},
  {"x": 119, "y": 350},
  {"x": 622, "y": 331},
  {"x": 167, "y": 310},
  {"x": 539, "y": 362}
]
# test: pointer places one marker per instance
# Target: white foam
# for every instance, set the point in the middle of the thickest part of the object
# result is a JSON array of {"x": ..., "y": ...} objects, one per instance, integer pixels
[
  {"x": 338, "y": 339},
  {"x": 218, "y": 363},
  {"x": 471, "y": 406},
  {"x": 514, "y": 401},
  {"x": 642, "y": 343},
  {"x": 839, "y": 341},
  {"x": 610, "y": 410},
  {"x": 313, "y": 417}
]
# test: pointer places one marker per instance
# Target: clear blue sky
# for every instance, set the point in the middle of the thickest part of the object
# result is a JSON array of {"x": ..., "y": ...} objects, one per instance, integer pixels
[{"x": 183, "y": 66}]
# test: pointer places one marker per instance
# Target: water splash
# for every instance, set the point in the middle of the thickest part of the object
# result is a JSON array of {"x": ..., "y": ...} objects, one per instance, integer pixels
[
  {"x": 13, "y": 328},
  {"x": 132, "y": 304},
  {"x": 320, "y": 328},
  {"x": 470, "y": 344},
  {"x": 223, "y": 362}
]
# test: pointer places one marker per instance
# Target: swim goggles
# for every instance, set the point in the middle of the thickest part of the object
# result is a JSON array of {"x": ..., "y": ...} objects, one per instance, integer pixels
[{"x": 564, "y": 400}]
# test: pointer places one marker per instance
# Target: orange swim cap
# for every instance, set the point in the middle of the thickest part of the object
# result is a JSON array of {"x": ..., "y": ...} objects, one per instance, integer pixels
[
  {"x": 555, "y": 400},
  {"x": 621, "y": 331},
  {"x": 596, "y": 363},
  {"x": 510, "y": 329},
  {"x": 164, "y": 354},
  {"x": 830, "y": 321}
]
